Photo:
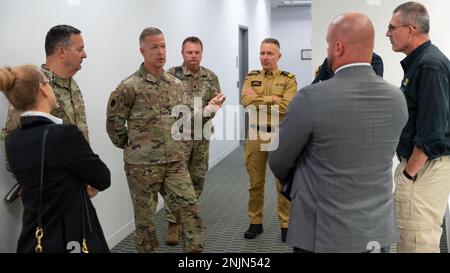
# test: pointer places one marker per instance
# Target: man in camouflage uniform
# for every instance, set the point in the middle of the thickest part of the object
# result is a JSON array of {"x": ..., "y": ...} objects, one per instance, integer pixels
[
  {"x": 64, "y": 49},
  {"x": 139, "y": 121},
  {"x": 203, "y": 84},
  {"x": 275, "y": 89}
]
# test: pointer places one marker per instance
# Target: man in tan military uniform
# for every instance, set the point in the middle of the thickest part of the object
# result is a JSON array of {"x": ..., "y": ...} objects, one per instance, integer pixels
[
  {"x": 139, "y": 121},
  {"x": 202, "y": 84},
  {"x": 64, "y": 48},
  {"x": 275, "y": 89}
]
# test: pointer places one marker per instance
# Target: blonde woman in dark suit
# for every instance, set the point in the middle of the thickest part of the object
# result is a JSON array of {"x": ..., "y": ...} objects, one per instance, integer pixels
[{"x": 58, "y": 213}]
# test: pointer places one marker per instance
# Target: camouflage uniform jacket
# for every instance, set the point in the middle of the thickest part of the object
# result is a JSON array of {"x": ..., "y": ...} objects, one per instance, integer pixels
[
  {"x": 70, "y": 105},
  {"x": 204, "y": 84},
  {"x": 265, "y": 84},
  {"x": 139, "y": 118}
]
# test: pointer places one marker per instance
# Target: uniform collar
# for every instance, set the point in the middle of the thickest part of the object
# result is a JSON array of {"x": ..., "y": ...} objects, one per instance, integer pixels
[
  {"x": 201, "y": 71},
  {"x": 150, "y": 77},
  {"x": 273, "y": 73},
  {"x": 409, "y": 59},
  {"x": 55, "y": 79}
]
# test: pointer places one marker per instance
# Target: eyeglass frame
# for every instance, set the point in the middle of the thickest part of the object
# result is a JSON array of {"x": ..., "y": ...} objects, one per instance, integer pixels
[{"x": 392, "y": 28}]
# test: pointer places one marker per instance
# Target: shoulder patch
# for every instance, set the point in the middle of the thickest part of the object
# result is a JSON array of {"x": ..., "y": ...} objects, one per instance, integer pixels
[
  {"x": 113, "y": 99},
  {"x": 256, "y": 83},
  {"x": 113, "y": 103},
  {"x": 288, "y": 74},
  {"x": 253, "y": 72}
]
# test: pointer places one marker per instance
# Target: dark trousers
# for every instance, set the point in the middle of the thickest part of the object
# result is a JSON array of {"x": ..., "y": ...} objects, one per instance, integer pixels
[{"x": 301, "y": 250}]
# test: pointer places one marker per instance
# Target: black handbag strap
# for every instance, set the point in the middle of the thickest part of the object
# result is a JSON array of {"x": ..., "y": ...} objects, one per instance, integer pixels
[
  {"x": 40, "y": 230},
  {"x": 44, "y": 144}
]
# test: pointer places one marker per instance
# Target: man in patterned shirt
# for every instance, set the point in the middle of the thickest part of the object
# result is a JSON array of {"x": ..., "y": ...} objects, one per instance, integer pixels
[{"x": 202, "y": 85}]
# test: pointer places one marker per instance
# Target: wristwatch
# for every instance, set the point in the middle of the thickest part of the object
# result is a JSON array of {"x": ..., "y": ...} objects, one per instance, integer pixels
[{"x": 407, "y": 175}]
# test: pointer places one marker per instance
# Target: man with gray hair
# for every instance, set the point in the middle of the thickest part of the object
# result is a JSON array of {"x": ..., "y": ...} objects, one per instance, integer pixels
[
  {"x": 139, "y": 121},
  {"x": 422, "y": 182}
]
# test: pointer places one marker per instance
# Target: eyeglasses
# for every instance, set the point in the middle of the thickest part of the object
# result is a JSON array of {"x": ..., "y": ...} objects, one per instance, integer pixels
[{"x": 392, "y": 28}]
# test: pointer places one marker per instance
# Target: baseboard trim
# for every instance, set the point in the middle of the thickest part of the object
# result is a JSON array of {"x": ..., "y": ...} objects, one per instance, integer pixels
[{"x": 121, "y": 234}]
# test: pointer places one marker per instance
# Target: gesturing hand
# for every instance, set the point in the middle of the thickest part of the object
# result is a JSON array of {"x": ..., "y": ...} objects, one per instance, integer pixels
[{"x": 214, "y": 104}]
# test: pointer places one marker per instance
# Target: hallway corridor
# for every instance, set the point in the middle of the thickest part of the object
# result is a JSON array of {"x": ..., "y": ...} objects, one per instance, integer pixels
[{"x": 223, "y": 206}]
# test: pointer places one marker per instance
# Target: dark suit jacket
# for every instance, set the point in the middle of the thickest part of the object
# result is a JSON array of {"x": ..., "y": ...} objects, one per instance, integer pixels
[
  {"x": 69, "y": 164},
  {"x": 325, "y": 72},
  {"x": 338, "y": 141}
]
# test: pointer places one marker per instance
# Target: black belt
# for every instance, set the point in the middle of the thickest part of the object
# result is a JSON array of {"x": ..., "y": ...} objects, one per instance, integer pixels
[{"x": 262, "y": 128}]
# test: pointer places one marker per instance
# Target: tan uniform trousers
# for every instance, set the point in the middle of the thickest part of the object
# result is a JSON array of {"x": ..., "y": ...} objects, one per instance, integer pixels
[
  {"x": 421, "y": 205},
  {"x": 256, "y": 162}
]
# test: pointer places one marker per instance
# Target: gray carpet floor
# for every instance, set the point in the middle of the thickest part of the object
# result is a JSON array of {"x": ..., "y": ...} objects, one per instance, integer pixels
[
  {"x": 223, "y": 205},
  {"x": 224, "y": 212}
]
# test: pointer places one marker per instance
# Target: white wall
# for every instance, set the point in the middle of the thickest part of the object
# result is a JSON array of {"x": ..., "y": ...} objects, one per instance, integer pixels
[
  {"x": 111, "y": 29},
  {"x": 292, "y": 27},
  {"x": 10, "y": 215},
  {"x": 380, "y": 12}
]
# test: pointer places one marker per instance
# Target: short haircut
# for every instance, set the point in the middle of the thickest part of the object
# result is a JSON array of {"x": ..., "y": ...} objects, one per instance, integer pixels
[
  {"x": 149, "y": 31},
  {"x": 415, "y": 14},
  {"x": 59, "y": 36},
  {"x": 192, "y": 39},
  {"x": 271, "y": 41}
]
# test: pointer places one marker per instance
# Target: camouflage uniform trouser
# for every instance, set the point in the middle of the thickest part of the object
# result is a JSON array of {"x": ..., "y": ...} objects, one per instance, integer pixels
[
  {"x": 173, "y": 182},
  {"x": 196, "y": 153},
  {"x": 255, "y": 162}
]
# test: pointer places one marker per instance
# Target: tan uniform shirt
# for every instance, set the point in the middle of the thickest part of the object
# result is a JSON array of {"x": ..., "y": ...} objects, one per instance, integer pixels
[{"x": 267, "y": 84}]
